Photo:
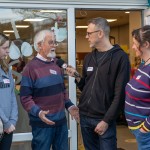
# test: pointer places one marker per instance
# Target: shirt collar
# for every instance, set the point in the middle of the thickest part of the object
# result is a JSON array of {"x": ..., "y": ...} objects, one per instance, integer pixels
[{"x": 42, "y": 58}]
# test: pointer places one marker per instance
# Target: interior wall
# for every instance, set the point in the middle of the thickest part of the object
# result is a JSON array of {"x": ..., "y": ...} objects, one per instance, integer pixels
[
  {"x": 135, "y": 21},
  {"x": 82, "y": 44},
  {"x": 121, "y": 34}
]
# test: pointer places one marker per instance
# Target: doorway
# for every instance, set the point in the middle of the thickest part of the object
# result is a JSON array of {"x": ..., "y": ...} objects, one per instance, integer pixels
[{"x": 121, "y": 25}]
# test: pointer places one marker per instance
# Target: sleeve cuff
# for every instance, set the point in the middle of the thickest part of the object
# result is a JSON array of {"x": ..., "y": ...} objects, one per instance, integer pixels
[
  {"x": 35, "y": 111},
  {"x": 68, "y": 104},
  {"x": 39, "y": 112},
  {"x": 80, "y": 84},
  {"x": 7, "y": 125},
  {"x": 70, "y": 107}
]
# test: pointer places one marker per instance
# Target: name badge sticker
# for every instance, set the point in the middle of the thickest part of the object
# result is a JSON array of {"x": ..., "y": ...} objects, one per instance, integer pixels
[
  {"x": 90, "y": 69},
  {"x": 6, "y": 81},
  {"x": 52, "y": 71}
]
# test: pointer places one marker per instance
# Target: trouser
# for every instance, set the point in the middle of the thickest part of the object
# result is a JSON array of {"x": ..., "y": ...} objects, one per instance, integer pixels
[
  {"x": 55, "y": 137},
  {"x": 93, "y": 141},
  {"x": 143, "y": 139},
  {"x": 6, "y": 141}
]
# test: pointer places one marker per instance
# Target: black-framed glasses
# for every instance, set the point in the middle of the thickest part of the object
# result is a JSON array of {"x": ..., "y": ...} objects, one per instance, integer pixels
[
  {"x": 89, "y": 33},
  {"x": 53, "y": 43}
]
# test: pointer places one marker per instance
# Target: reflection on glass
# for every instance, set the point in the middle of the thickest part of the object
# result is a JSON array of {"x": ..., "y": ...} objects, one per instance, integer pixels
[{"x": 21, "y": 25}]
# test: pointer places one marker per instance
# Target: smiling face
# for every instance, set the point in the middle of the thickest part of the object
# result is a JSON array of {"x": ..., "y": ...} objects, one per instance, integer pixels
[
  {"x": 136, "y": 47},
  {"x": 4, "y": 50},
  {"x": 141, "y": 42},
  {"x": 48, "y": 46}
]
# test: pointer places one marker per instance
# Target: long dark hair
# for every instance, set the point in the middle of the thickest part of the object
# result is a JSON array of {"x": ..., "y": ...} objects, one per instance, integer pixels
[{"x": 3, "y": 63}]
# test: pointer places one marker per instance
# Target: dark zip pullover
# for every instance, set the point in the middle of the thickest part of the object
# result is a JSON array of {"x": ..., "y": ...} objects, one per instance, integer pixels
[{"x": 103, "y": 84}]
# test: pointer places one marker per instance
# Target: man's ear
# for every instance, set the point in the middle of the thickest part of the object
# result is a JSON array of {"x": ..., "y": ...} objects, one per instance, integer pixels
[
  {"x": 39, "y": 45},
  {"x": 100, "y": 33}
]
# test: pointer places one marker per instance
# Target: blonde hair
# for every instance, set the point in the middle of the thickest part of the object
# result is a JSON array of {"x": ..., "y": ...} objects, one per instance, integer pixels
[{"x": 3, "y": 63}]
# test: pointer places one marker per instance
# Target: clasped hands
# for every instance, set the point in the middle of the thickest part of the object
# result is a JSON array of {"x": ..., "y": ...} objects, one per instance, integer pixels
[{"x": 10, "y": 129}]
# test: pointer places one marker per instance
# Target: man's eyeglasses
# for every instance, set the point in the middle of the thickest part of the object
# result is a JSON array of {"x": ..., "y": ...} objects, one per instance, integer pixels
[
  {"x": 53, "y": 43},
  {"x": 89, "y": 33}
]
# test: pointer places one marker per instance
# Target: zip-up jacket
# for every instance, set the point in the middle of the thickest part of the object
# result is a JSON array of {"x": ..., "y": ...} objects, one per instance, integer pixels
[{"x": 103, "y": 84}]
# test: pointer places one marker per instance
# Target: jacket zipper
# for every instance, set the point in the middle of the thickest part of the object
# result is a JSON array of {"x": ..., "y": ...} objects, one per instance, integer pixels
[
  {"x": 95, "y": 79},
  {"x": 93, "y": 85}
]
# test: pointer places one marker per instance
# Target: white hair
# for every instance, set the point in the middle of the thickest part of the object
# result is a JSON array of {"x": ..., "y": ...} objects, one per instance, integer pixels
[{"x": 39, "y": 37}]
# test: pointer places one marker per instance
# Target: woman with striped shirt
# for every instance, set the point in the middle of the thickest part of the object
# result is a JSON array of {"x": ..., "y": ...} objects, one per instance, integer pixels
[{"x": 137, "y": 102}]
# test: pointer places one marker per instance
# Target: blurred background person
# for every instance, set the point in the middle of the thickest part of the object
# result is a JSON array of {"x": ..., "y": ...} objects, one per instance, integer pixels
[
  {"x": 8, "y": 104},
  {"x": 137, "y": 102}
]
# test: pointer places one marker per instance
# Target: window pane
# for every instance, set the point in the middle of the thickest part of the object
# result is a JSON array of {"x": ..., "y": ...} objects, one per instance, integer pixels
[{"x": 20, "y": 25}]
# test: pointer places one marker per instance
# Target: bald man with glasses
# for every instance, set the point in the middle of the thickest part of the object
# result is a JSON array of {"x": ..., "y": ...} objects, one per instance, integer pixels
[{"x": 104, "y": 77}]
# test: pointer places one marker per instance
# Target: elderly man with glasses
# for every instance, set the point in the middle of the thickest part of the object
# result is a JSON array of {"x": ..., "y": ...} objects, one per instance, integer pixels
[
  {"x": 103, "y": 81},
  {"x": 44, "y": 97}
]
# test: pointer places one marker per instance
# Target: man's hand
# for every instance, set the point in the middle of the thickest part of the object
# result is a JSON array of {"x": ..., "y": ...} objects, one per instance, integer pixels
[
  {"x": 71, "y": 72},
  {"x": 10, "y": 129},
  {"x": 42, "y": 115},
  {"x": 74, "y": 112},
  {"x": 101, "y": 128}
]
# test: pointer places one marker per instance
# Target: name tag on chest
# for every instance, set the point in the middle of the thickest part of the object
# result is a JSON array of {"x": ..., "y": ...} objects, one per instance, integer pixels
[
  {"x": 6, "y": 81},
  {"x": 90, "y": 69},
  {"x": 52, "y": 71}
]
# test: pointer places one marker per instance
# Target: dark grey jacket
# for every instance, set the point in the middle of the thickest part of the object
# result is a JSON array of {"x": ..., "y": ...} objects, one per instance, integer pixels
[{"x": 103, "y": 84}]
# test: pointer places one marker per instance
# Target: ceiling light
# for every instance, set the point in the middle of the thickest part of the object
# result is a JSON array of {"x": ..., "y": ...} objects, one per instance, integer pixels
[
  {"x": 111, "y": 20},
  {"x": 81, "y": 27},
  {"x": 22, "y": 26},
  {"x": 51, "y": 11},
  {"x": 8, "y": 31},
  {"x": 35, "y": 19},
  {"x": 7, "y": 34},
  {"x": 127, "y": 12}
]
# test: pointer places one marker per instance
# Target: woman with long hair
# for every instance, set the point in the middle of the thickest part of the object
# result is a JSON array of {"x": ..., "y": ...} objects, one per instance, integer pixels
[
  {"x": 137, "y": 103},
  {"x": 8, "y": 104}
]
